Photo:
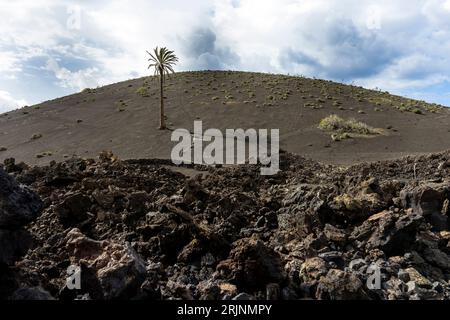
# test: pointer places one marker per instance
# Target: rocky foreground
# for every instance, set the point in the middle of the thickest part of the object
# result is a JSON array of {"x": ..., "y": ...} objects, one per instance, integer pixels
[{"x": 142, "y": 229}]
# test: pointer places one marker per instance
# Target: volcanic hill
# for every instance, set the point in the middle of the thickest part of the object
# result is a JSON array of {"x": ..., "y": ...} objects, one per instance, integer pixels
[{"x": 123, "y": 118}]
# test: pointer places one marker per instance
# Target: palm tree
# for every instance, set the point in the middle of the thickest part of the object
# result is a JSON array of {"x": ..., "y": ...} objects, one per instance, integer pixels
[{"x": 162, "y": 60}]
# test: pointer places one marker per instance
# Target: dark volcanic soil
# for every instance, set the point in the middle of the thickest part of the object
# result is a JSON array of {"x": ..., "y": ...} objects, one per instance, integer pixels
[
  {"x": 120, "y": 119},
  {"x": 141, "y": 229}
]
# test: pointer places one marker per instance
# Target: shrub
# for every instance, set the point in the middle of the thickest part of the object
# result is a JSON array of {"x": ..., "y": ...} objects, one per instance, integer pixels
[
  {"x": 334, "y": 123},
  {"x": 340, "y": 136},
  {"x": 88, "y": 90},
  {"x": 44, "y": 154},
  {"x": 142, "y": 91},
  {"x": 36, "y": 136}
]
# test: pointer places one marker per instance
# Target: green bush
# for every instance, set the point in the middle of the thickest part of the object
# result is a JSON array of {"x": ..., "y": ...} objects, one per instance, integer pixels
[
  {"x": 142, "y": 91},
  {"x": 336, "y": 124},
  {"x": 88, "y": 90}
]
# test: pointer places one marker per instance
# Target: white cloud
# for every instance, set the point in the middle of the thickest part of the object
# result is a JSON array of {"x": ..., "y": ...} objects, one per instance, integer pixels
[
  {"x": 9, "y": 63},
  {"x": 447, "y": 5},
  {"x": 389, "y": 44},
  {"x": 80, "y": 79},
  {"x": 7, "y": 102}
]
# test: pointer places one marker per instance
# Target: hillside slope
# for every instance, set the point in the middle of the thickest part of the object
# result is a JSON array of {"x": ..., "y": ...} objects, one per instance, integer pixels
[{"x": 123, "y": 118}]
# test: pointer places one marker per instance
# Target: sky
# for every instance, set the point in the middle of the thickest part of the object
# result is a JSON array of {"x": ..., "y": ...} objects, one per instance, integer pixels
[{"x": 52, "y": 48}]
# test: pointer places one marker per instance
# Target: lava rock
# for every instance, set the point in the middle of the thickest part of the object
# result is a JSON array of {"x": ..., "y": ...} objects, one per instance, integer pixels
[
  {"x": 272, "y": 291},
  {"x": 340, "y": 285},
  {"x": 11, "y": 166},
  {"x": 193, "y": 191},
  {"x": 18, "y": 205},
  {"x": 32, "y": 294},
  {"x": 358, "y": 265},
  {"x": 119, "y": 269},
  {"x": 137, "y": 203},
  {"x": 428, "y": 200},
  {"x": 404, "y": 276},
  {"x": 251, "y": 265},
  {"x": 334, "y": 234},
  {"x": 438, "y": 258},
  {"x": 394, "y": 233},
  {"x": 417, "y": 279},
  {"x": 313, "y": 269},
  {"x": 65, "y": 173},
  {"x": 311, "y": 232},
  {"x": 360, "y": 202},
  {"x": 73, "y": 209},
  {"x": 13, "y": 245}
]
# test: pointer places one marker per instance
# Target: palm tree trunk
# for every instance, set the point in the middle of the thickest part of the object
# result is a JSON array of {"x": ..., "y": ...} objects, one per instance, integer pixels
[{"x": 162, "y": 120}]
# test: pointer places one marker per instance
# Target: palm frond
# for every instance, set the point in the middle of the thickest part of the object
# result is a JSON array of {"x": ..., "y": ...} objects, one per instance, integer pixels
[{"x": 163, "y": 61}]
